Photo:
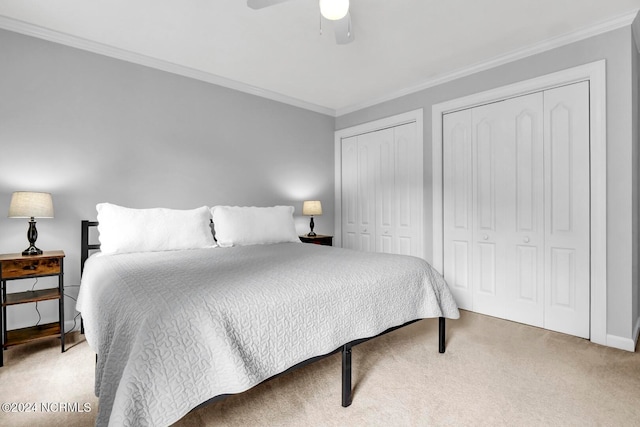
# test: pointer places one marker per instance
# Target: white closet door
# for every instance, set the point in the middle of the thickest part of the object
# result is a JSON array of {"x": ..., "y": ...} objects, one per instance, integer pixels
[
  {"x": 350, "y": 193},
  {"x": 382, "y": 191},
  {"x": 566, "y": 181},
  {"x": 408, "y": 239},
  {"x": 368, "y": 159},
  {"x": 490, "y": 208},
  {"x": 458, "y": 205},
  {"x": 523, "y": 206},
  {"x": 384, "y": 169},
  {"x": 503, "y": 194},
  {"x": 516, "y": 208}
]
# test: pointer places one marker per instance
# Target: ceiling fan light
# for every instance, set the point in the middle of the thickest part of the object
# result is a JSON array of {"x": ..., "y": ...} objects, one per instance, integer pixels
[{"x": 334, "y": 9}]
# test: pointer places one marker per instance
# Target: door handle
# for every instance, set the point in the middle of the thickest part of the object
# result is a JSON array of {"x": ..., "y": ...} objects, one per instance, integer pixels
[
  {"x": 485, "y": 237},
  {"x": 526, "y": 240}
]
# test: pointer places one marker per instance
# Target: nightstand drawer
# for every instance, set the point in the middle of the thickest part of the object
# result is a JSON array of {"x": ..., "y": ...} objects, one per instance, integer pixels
[{"x": 12, "y": 269}]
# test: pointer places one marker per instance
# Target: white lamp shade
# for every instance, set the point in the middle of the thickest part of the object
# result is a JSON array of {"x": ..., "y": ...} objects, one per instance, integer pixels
[
  {"x": 27, "y": 204},
  {"x": 334, "y": 9},
  {"x": 312, "y": 207}
]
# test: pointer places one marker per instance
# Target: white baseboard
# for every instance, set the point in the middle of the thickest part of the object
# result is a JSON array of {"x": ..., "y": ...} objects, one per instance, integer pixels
[{"x": 628, "y": 344}]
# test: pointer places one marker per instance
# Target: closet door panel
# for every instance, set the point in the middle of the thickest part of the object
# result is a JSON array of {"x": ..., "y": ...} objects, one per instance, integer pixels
[
  {"x": 406, "y": 246},
  {"x": 527, "y": 276},
  {"x": 560, "y": 164},
  {"x": 486, "y": 273},
  {"x": 528, "y": 145},
  {"x": 488, "y": 140},
  {"x": 522, "y": 208},
  {"x": 567, "y": 222},
  {"x": 350, "y": 193},
  {"x": 458, "y": 272},
  {"x": 407, "y": 183},
  {"x": 563, "y": 279},
  {"x": 458, "y": 206},
  {"x": 516, "y": 208},
  {"x": 385, "y": 191},
  {"x": 367, "y": 165},
  {"x": 485, "y": 131},
  {"x": 382, "y": 191}
]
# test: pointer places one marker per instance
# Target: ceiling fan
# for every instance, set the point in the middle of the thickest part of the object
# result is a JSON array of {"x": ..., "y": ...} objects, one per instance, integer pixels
[{"x": 336, "y": 11}]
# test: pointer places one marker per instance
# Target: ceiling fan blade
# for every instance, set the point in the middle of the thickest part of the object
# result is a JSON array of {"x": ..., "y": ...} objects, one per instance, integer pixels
[
  {"x": 344, "y": 30},
  {"x": 259, "y": 4}
]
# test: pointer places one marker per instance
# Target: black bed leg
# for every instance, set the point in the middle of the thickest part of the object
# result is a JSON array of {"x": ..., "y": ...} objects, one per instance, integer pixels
[
  {"x": 346, "y": 375},
  {"x": 81, "y": 326},
  {"x": 441, "y": 332}
]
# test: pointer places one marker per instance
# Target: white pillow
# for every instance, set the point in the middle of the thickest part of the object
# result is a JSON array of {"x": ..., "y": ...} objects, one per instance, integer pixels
[
  {"x": 241, "y": 226},
  {"x": 145, "y": 230}
]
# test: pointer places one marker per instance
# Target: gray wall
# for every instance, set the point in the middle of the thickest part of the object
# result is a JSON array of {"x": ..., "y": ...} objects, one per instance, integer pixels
[
  {"x": 615, "y": 47},
  {"x": 89, "y": 129}
]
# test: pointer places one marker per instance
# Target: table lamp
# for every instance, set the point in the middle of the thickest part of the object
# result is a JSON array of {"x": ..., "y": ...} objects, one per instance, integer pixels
[
  {"x": 28, "y": 204},
  {"x": 311, "y": 208}
]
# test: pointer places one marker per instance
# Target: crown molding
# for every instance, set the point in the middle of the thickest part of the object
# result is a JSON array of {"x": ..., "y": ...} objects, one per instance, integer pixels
[
  {"x": 631, "y": 18},
  {"x": 27, "y": 29},
  {"x": 626, "y": 19},
  {"x": 635, "y": 29}
]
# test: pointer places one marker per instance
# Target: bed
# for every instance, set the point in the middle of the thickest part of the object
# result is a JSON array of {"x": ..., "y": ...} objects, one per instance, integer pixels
[{"x": 173, "y": 329}]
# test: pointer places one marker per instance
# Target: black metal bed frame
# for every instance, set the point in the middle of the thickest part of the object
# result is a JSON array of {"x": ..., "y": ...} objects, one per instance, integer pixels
[{"x": 86, "y": 247}]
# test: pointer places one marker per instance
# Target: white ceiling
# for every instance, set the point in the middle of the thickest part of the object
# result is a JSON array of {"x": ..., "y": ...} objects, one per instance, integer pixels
[{"x": 278, "y": 52}]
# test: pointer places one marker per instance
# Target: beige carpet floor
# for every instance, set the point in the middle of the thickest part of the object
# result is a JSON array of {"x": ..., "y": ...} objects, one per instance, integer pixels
[{"x": 494, "y": 373}]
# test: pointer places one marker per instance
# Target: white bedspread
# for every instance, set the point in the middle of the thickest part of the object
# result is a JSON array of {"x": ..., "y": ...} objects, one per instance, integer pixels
[{"x": 174, "y": 329}]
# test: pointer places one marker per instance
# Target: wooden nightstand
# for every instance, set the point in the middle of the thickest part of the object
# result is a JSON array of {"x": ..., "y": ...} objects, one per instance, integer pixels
[
  {"x": 17, "y": 266},
  {"x": 318, "y": 240}
]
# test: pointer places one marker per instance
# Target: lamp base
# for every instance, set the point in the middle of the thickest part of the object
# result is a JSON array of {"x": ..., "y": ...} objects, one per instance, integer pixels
[
  {"x": 32, "y": 236},
  {"x": 311, "y": 225},
  {"x": 32, "y": 250}
]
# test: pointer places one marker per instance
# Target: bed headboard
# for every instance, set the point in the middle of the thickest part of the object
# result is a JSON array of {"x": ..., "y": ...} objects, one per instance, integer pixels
[{"x": 85, "y": 246}]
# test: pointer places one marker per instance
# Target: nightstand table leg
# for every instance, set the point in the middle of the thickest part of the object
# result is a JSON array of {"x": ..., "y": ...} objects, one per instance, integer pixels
[
  {"x": 3, "y": 316},
  {"x": 61, "y": 308}
]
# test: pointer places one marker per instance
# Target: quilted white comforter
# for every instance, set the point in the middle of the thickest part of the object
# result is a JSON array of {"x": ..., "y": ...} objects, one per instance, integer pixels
[{"x": 174, "y": 329}]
